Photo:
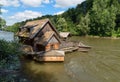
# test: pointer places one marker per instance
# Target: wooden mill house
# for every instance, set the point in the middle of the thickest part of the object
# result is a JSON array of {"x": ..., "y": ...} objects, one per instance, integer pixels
[
  {"x": 41, "y": 35},
  {"x": 44, "y": 40}
]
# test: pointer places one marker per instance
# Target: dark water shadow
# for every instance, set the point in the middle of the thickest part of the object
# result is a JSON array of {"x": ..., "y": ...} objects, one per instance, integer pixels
[
  {"x": 41, "y": 77},
  {"x": 36, "y": 74}
]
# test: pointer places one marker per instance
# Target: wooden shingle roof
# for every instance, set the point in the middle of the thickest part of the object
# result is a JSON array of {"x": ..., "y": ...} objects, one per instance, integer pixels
[
  {"x": 46, "y": 37},
  {"x": 64, "y": 34},
  {"x": 35, "y": 26}
]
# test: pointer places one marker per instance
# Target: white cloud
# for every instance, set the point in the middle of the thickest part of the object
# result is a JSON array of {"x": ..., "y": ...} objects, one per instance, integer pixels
[
  {"x": 1, "y": 16},
  {"x": 67, "y": 3},
  {"x": 46, "y": 1},
  {"x": 4, "y": 10},
  {"x": 58, "y": 13},
  {"x": 14, "y": 3},
  {"x": 27, "y": 14},
  {"x": 34, "y": 3}
]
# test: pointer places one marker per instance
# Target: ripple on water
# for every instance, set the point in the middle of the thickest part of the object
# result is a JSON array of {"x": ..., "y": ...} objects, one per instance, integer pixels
[{"x": 100, "y": 64}]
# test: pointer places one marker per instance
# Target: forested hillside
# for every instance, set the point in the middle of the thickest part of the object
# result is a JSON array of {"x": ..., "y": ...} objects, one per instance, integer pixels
[{"x": 91, "y": 17}]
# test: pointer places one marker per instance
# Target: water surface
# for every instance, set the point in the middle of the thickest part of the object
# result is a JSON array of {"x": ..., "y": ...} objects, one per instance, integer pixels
[
  {"x": 9, "y": 36},
  {"x": 100, "y": 64}
]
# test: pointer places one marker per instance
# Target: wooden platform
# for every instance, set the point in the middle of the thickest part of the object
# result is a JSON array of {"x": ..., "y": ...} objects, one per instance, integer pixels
[
  {"x": 69, "y": 49},
  {"x": 83, "y": 49},
  {"x": 53, "y": 55},
  {"x": 81, "y": 45},
  {"x": 50, "y": 58},
  {"x": 57, "y": 55}
]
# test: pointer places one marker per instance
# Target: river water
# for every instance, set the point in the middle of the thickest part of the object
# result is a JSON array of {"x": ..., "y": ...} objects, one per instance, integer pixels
[
  {"x": 9, "y": 36},
  {"x": 100, "y": 64}
]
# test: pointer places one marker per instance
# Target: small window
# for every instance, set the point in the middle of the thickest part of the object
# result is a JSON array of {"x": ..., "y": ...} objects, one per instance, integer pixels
[{"x": 29, "y": 29}]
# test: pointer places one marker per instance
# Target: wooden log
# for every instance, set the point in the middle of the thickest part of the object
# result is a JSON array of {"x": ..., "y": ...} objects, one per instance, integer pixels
[{"x": 81, "y": 45}]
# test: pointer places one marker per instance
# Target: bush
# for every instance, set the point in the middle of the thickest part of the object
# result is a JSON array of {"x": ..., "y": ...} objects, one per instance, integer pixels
[
  {"x": 9, "y": 52},
  {"x": 9, "y": 60}
]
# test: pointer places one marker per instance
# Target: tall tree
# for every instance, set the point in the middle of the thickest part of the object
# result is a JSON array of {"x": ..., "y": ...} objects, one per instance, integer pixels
[
  {"x": 70, "y": 15},
  {"x": 62, "y": 24},
  {"x": 103, "y": 16},
  {"x": 2, "y": 23},
  {"x": 83, "y": 26}
]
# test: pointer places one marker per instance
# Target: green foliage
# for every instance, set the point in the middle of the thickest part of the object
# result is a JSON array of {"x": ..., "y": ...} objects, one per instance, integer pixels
[
  {"x": 117, "y": 22},
  {"x": 70, "y": 15},
  {"x": 14, "y": 28},
  {"x": 9, "y": 52},
  {"x": 103, "y": 16},
  {"x": 2, "y": 23},
  {"x": 9, "y": 62},
  {"x": 83, "y": 27},
  {"x": 118, "y": 32},
  {"x": 72, "y": 28},
  {"x": 62, "y": 25},
  {"x": 91, "y": 17}
]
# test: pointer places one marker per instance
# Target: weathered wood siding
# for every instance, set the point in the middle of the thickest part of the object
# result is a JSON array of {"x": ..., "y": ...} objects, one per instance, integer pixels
[
  {"x": 54, "y": 43},
  {"x": 48, "y": 47},
  {"x": 46, "y": 28},
  {"x": 54, "y": 46},
  {"x": 53, "y": 40},
  {"x": 50, "y": 58}
]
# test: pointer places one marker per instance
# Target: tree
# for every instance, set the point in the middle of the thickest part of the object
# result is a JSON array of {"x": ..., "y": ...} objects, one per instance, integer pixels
[
  {"x": 70, "y": 15},
  {"x": 94, "y": 17},
  {"x": 62, "y": 24},
  {"x": 83, "y": 26},
  {"x": 14, "y": 28},
  {"x": 2, "y": 23},
  {"x": 0, "y": 15},
  {"x": 103, "y": 16},
  {"x": 9, "y": 60}
]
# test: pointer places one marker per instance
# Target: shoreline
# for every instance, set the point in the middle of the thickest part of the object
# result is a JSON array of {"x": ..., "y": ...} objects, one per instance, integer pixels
[
  {"x": 79, "y": 36},
  {"x": 101, "y": 37}
]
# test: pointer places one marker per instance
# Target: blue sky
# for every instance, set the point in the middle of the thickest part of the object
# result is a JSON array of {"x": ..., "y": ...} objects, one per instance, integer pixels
[{"x": 20, "y": 10}]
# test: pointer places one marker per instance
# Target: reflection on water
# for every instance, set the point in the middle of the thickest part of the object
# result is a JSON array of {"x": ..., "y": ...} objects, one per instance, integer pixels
[
  {"x": 45, "y": 72},
  {"x": 9, "y": 36},
  {"x": 100, "y": 64}
]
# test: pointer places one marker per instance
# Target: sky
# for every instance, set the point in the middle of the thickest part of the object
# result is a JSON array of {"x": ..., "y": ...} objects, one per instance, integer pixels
[{"x": 19, "y": 10}]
